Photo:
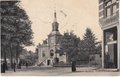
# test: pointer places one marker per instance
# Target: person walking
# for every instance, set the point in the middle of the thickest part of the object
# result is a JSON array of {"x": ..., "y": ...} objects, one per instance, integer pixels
[
  {"x": 19, "y": 65},
  {"x": 4, "y": 67},
  {"x": 26, "y": 64},
  {"x": 73, "y": 66},
  {"x": 14, "y": 66},
  {"x": 1, "y": 67}
]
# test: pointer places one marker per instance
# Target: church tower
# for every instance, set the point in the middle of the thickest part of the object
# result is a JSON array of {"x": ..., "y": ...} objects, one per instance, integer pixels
[
  {"x": 50, "y": 48},
  {"x": 54, "y": 37}
]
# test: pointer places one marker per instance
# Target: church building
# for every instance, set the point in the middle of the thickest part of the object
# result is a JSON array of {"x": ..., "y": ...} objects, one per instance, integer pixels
[{"x": 49, "y": 50}]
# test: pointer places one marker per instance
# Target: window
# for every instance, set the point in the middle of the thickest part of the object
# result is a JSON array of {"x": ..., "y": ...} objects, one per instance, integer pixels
[
  {"x": 114, "y": 9},
  {"x": 108, "y": 2},
  {"x": 51, "y": 54},
  {"x": 108, "y": 11}
]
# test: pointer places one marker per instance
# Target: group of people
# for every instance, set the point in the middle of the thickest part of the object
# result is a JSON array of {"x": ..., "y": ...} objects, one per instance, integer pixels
[
  {"x": 13, "y": 66},
  {"x": 4, "y": 67}
]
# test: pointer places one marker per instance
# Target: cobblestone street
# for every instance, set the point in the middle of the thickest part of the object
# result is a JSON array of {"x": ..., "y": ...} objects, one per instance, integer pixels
[{"x": 58, "y": 71}]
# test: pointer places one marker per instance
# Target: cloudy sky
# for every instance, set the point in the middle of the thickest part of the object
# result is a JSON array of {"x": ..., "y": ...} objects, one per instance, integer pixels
[{"x": 74, "y": 15}]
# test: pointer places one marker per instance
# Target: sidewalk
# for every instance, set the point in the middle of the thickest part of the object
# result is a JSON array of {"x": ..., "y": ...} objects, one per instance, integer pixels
[
  {"x": 60, "y": 71},
  {"x": 79, "y": 69}
]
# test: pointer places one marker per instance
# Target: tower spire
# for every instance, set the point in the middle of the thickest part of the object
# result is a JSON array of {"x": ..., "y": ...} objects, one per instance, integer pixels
[
  {"x": 55, "y": 24},
  {"x": 55, "y": 16}
]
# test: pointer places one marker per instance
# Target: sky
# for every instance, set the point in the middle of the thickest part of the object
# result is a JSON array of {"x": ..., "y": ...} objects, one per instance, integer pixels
[{"x": 74, "y": 15}]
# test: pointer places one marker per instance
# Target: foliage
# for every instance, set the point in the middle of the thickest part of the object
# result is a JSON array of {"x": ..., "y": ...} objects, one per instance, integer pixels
[
  {"x": 89, "y": 45},
  {"x": 69, "y": 44},
  {"x": 16, "y": 29},
  {"x": 89, "y": 41}
]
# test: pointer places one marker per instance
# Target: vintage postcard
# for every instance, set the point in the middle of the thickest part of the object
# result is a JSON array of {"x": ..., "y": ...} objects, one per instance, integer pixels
[{"x": 60, "y": 37}]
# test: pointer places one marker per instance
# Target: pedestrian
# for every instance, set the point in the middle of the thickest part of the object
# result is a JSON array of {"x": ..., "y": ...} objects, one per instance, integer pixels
[
  {"x": 14, "y": 66},
  {"x": 73, "y": 66},
  {"x": 4, "y": 67},
  {"x": 26, "y": 64},
  {"x": 57, "y": 60},
  {"x": 20, "y": 65},
  {"x": 1, "y": 67}
]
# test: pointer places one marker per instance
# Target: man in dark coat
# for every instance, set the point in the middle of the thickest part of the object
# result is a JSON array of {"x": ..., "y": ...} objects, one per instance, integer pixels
[
  {"x": 1, "y": 68},
  {"x": 19, "y": 65},
  {"x": 4, "y": 67},
  {"x": 26, "y": 64},
  {"x": 14, "y": 66},
  {"x": 73, "y": 66}
]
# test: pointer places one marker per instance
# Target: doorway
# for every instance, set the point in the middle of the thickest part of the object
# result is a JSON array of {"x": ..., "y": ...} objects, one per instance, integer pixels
[
  {"x": 110, "y": 51},
  {"x": 48, "y": 62},
  {"x": 111, "y": 56}
]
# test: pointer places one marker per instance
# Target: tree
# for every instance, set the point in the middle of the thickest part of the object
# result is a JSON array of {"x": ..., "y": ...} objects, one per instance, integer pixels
[
  {"x": 99, "y": 48},
  {"x": 89, "y": 45},
  {"x": 89, "y": 41},
  {"x": 83, "y": 54},
  {"x": 69, "y": 44},
  {"x": 16, "y": 29}
]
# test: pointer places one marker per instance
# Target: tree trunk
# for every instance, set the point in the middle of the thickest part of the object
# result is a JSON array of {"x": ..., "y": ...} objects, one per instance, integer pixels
[
  {"x": 11, "y": 58},
  {"x": 5, "y": 59},
  {"x": 17, "y": 54}
]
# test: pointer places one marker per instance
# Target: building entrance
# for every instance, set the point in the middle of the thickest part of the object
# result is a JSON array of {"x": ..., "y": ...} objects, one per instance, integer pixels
[
  {"x": 110, "y": 52},
  {"x": 111, "y": 56},
  {"x": 48, "y": 62}
]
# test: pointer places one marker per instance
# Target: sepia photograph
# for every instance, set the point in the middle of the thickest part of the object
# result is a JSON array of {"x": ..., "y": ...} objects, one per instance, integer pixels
[{"x": 60, "y": 37}]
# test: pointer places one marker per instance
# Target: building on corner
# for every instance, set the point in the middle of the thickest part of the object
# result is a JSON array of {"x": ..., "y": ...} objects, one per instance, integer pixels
[{"x": 109, "y": 21}]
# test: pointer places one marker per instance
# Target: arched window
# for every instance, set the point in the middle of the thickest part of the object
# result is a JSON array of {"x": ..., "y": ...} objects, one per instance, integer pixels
[{"x": 51, "y": 53}]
